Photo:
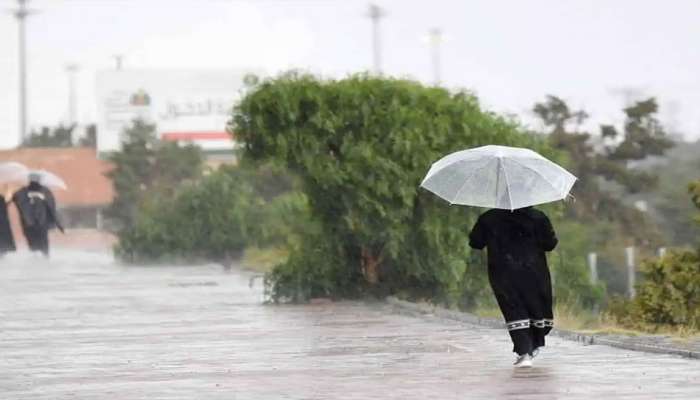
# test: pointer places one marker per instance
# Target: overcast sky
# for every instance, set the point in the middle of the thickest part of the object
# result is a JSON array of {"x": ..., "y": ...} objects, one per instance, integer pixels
[{"x": 510, "y": 52}]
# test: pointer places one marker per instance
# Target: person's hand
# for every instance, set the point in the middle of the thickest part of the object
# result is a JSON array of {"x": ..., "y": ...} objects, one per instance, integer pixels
[{"x": 7, "y": 192}]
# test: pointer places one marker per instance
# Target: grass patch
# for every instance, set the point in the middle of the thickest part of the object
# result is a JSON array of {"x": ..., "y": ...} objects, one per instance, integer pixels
[
  {"x": 677, "y": 333},
  {"x": 488, "y": 312},
  {"x": 263, "y": 260},
  {"x": 574, "y": 318}
]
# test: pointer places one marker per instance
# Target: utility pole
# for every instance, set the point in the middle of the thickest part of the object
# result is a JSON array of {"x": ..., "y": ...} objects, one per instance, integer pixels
[
  {"x": 71, "y": 70},
  {"x": 21, "y": 14},
  {"x": 376, "y": 14},
  {"x": 435, "y": 38},
  {"x": 593, "y": 267},
  {"x": 631, "y": 272},
  {"x": 119, "y": 60}
]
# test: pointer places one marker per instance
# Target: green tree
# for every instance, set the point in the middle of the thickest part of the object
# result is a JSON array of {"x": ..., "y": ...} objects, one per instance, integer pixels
[
  {"x": 562, "y": 128},
  {"x": 694, "y": 190},
  {"x": 643, "y": 136},
  {"x": 60, "y": 136},
  {"x": 360, "y": 147},
  {"x": 215, "y": 218},
  {"x": 90, "y": 137},
  {"x": 145, "y": 167},
  {"x": 669, "y": 293},
  {"x": 670, "y": 205},
  {"x": 204, "y": 220},
  {"x": 602, "y": 208},
  {"x": 569, "y": 266}
]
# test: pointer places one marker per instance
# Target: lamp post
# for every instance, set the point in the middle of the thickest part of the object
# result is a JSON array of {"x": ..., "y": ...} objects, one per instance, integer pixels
[
  {"x": 71, "y": 70},
  {"x": 376, "y": 14},
  {"x": 21, "y": 14},
  {"x": 435, "y": 38}
]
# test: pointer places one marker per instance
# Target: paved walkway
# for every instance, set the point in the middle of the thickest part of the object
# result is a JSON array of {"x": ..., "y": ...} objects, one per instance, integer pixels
[{"x": 81, "y": 327}]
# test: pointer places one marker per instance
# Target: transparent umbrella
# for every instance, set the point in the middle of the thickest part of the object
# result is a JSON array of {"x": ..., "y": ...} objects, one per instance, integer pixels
[
  {"x": 498, "y": 177},
  {"x": 49, "y": 179},
  {"x": 13, "y": 172}
]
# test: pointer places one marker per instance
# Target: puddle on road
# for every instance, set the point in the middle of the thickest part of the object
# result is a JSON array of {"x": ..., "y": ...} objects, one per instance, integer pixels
[{"x": 191, "y": 284}]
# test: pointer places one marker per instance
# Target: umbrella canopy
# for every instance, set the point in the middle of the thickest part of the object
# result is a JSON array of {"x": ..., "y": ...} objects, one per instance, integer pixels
[
  {"x": 13, "y": 172},
  {"x": 49, "y": 179},
  {"x": 498, "y": 177}
]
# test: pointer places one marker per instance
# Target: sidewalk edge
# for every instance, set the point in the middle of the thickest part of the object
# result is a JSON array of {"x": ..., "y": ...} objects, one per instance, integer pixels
[{"x": 586, "y": 339}]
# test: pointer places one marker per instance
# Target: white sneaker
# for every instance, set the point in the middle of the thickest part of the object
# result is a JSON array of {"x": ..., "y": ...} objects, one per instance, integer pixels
[
  {"x": 524, "y": 361},
  {"x": 535, "y": 353}
]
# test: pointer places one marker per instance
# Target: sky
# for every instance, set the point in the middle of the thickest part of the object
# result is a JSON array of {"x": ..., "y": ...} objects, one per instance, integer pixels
[{"x": 596, "y": 54}]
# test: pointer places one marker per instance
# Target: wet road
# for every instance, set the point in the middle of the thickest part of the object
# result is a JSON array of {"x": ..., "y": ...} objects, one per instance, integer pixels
[{"x": 81, "y": 327}]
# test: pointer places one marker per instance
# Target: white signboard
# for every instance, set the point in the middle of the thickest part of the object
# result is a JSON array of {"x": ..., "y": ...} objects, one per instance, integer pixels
[{"x": 189, "y": 106}]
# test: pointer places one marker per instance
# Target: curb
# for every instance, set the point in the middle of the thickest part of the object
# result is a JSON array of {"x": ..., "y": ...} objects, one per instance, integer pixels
[{"x": 410, "y": 308}]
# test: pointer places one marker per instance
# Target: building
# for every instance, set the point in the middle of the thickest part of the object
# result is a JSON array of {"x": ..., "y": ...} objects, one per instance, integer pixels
[{"x": 191, "y": 106}]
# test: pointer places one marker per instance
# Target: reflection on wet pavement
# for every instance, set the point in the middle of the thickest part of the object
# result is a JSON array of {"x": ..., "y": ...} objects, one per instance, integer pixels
[{"x": 81, "y": 327}]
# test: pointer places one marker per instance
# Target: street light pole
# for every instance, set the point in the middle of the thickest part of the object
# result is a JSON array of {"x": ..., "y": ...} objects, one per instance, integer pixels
[
  {"x": 376, "y": 14},
  {"x": 435, "y": 38},
  {"x": 71, "y": 70},
  {"x": 118, "y": 60},
  {"x": 21, "y": 14}
]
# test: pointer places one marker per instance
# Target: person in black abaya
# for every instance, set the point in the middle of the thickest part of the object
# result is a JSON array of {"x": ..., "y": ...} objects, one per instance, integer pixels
[
  {"x": 7, "y": 240},
  {"x": 37, "y": 210},
  {"x": 516, "y": 243}
]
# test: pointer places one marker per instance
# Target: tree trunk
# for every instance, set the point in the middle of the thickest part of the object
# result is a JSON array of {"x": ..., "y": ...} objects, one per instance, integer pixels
[{"x": 370, "y": 266}]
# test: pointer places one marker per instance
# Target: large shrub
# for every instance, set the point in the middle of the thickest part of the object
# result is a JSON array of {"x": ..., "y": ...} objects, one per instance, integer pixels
[
  {"x": 217, "y": 217},
  {"x": 212, "y": 219},
  {"x": 568, "y": 265},
  {"x": 670, "y": 292},
  {"x": 360, "y": 147}
]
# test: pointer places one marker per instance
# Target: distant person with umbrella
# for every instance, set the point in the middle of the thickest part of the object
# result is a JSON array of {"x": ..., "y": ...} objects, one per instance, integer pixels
[
  {"x": 7, "y": 240},
  {"x": 510, "y": 181},
  {"x": 37, "y": 209},
  {"x": 10, "y": 172}
]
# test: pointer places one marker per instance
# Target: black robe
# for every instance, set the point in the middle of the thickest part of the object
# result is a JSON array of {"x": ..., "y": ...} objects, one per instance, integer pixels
[
  {"x": 518, "y": 273},
  {"x": 37, "y": 209},
  {"x": 7, "y": 241}
]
